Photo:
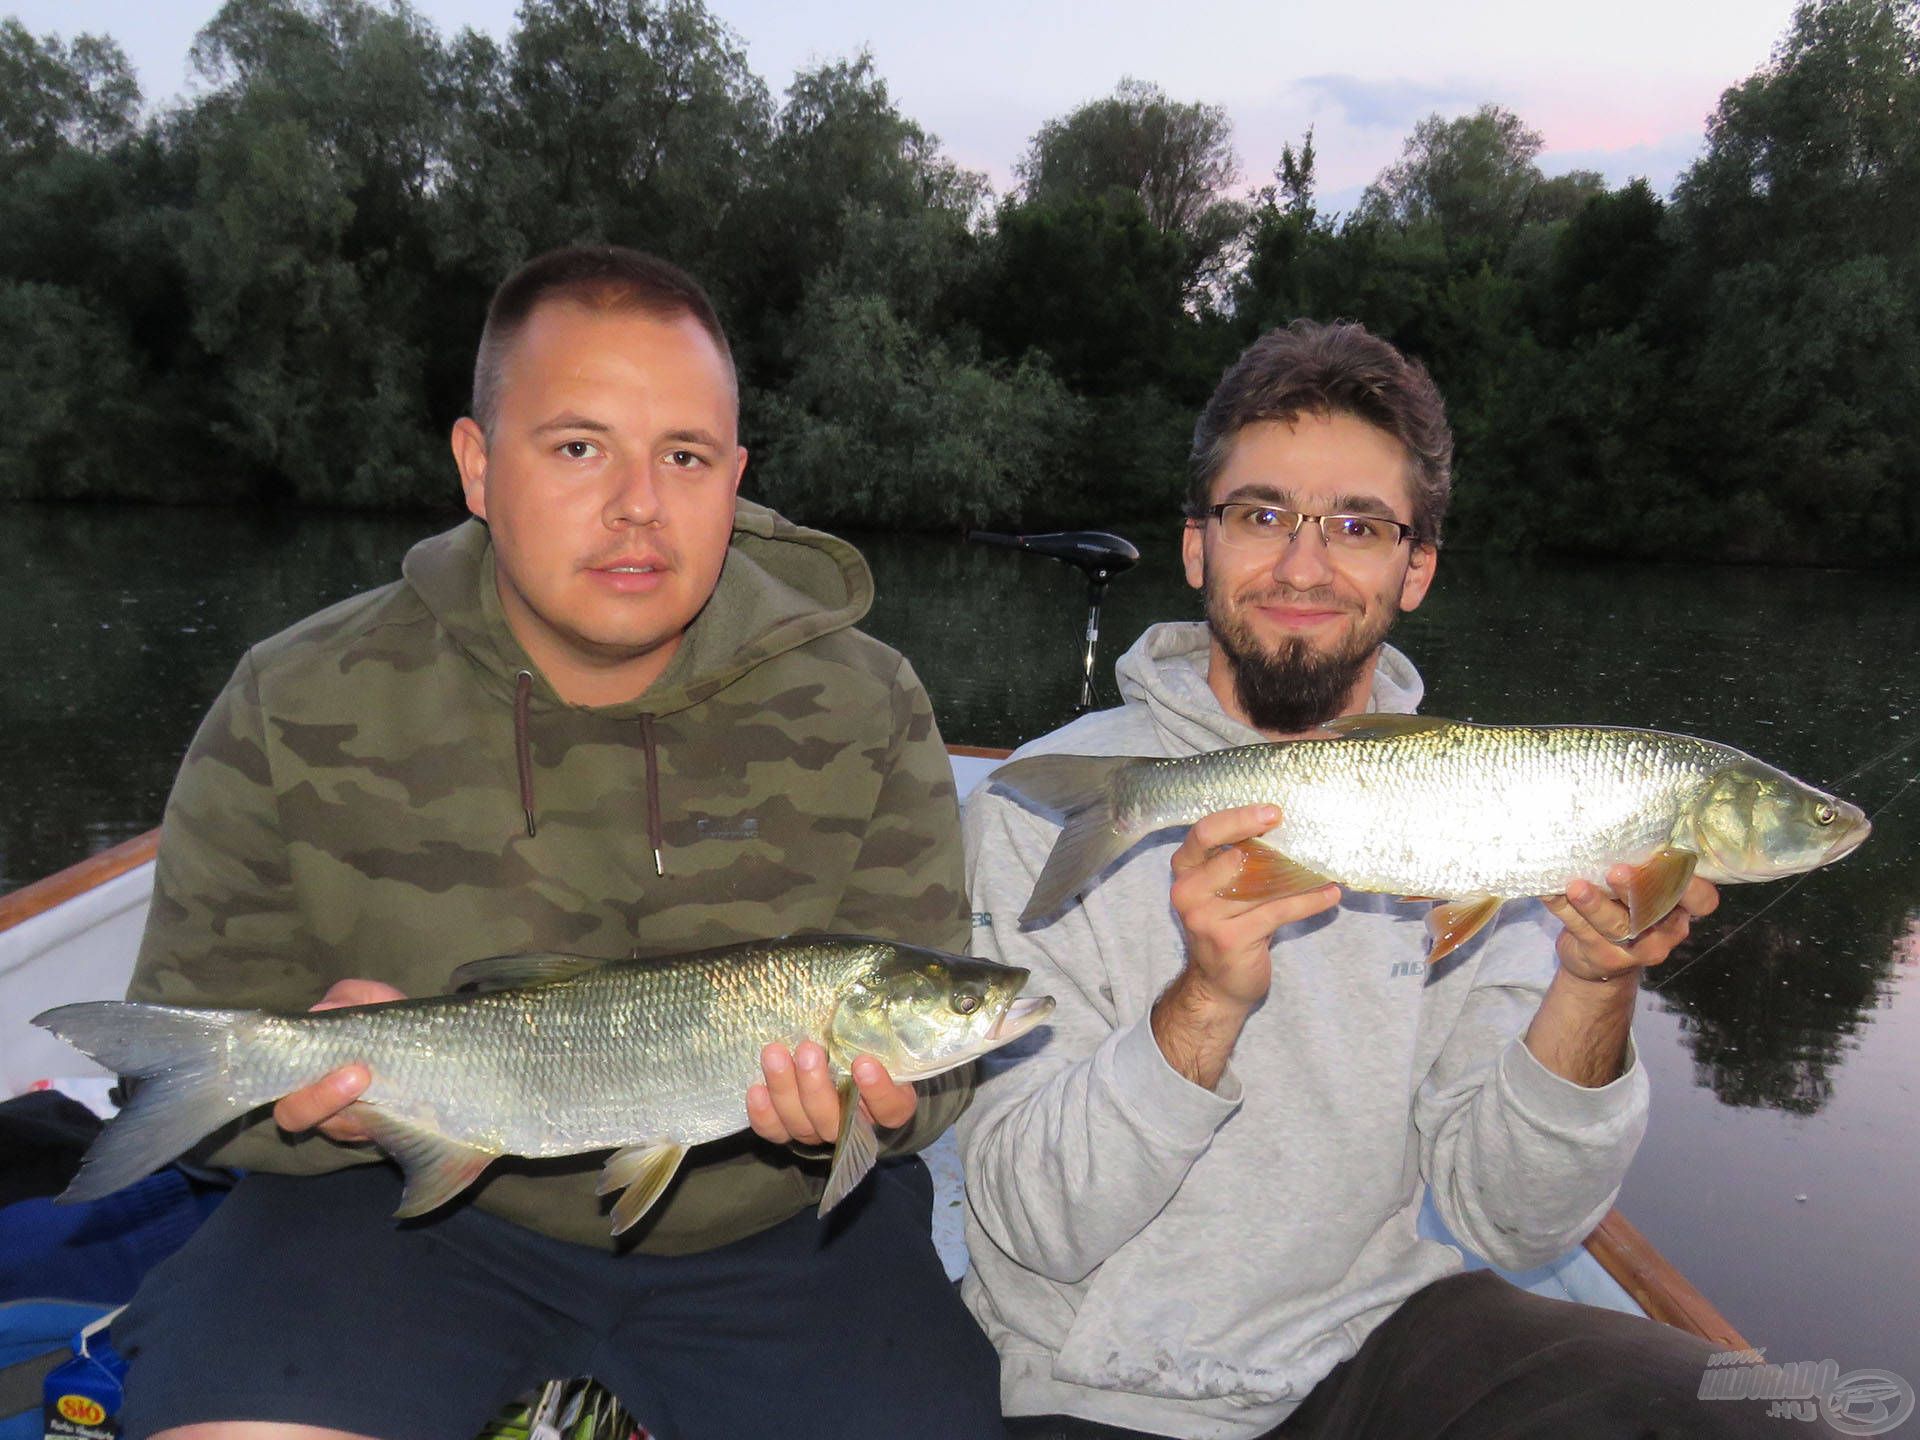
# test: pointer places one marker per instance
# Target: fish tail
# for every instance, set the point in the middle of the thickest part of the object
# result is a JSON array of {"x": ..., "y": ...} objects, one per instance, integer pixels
[
  {"x": 186, "y": 1089},
  {"x": 1082, "y": 788}
]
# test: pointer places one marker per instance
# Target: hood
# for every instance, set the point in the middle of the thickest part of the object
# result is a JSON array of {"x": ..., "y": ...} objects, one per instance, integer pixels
[
  {"x": 781, "y": 586},
  {"x": 1166, "y": 670}
]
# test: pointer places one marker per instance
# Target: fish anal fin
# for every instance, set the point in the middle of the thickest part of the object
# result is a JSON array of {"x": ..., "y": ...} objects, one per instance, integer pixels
[
  {"x": 640, "y": 1173},
  {"x": 1384, "y": 726},
  {"x": 1455, "y": 923},
  {"x": 437, "y": 1169},
  {"x": 1656, "y": 886},
  {"x": 1266, "y": 874},
  {"x": 854, "y": 1153},
  {"x": 508, "y": 972}
]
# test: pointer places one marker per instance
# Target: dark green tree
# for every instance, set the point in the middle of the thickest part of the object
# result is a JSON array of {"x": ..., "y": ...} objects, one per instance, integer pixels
[
  {"x": 1800, "y": 283},
  {"x": 1176, "y": 157},
  {"x": 853, "y": 195},
  {"x": 628, "y": 121},
  {"x": 1473, "y": 178},
  {"x": 54, "y": 95}
]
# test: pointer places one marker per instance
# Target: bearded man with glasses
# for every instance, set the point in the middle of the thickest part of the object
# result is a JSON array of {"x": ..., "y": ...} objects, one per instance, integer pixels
[{"x": 1193, "y": 1197}]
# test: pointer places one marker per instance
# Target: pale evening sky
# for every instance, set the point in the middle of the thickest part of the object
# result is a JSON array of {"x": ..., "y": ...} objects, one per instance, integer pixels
[{"x": 1622, "y": 87}]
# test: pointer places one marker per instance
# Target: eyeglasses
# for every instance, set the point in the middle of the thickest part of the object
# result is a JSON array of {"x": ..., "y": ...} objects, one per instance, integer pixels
[{"x": 1247, "y": 525}]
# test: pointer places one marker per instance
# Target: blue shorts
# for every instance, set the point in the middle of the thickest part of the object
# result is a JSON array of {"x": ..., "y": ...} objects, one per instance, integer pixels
[{"x": 302, "y": 1301}]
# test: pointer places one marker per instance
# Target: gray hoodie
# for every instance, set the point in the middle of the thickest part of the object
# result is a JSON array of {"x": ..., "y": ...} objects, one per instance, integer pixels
[{"x": 1191, "y": 1262}]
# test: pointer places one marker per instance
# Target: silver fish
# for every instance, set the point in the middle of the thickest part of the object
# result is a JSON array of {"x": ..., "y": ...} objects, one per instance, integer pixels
[
  {"x": 1474, "y": 815},
  {"x": 558, "y": 1055}
]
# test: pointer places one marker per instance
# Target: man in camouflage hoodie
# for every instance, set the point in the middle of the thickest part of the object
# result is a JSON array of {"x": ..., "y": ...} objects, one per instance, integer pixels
[{"x": 621, "y": 712}]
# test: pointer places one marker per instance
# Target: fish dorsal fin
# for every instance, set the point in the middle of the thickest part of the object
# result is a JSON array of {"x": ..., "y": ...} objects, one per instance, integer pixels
[
  {"x": 509, "y": 972},
  {"x": 1656, "y": 886},
  {"x": 640, "y": 1173},
  {"x": 855, "y": 1151},
  {"x": 437, "y": 1169},
  {"x": 1384, "y": 725},
  {"x": 1266, "y": 874},
  {"x": 1458, "y": 921}
]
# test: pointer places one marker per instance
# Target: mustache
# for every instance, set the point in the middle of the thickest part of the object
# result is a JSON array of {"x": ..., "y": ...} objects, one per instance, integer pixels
[{"x": 1322, "y": 598}]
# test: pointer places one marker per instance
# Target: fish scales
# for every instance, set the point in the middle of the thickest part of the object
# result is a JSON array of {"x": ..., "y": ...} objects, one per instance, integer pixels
[
  {"x": 1506, "y": 811},
  {"x": 557, "y": 1055},
  {"x": 1475, "y": 815},
  {"x": 578, "y": 1064}
]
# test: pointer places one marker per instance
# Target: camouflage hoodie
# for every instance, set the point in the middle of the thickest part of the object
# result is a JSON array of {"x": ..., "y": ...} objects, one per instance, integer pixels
[{"x": 390, "y": 788}]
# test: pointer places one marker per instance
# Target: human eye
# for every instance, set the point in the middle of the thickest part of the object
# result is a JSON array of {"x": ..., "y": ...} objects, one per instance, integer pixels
[
  {"x": 685, "y": 459},
  {"x": 1265, "y": 517},
  {"x": 578, "y": 449},
  {"x": 1358, "y": 531}
]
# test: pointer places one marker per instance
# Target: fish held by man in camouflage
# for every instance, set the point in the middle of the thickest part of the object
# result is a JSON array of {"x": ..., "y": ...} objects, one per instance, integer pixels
[
  {"x": 557, "y": 1055},
  {"x": 1474, "y": 815}
]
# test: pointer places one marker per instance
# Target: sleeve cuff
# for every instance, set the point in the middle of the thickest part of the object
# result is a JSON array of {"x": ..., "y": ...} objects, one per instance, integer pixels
[
  {"x": 1164, "y": 1101},
  {"x": 1557, "y": 1103}
]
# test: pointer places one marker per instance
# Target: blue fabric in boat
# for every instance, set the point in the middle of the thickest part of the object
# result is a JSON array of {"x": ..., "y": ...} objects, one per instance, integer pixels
[{"x": 98, "y": 1251}]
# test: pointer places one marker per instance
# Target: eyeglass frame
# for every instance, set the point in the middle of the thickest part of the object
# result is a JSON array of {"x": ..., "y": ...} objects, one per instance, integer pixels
[{"x": 1201, "y": 514}]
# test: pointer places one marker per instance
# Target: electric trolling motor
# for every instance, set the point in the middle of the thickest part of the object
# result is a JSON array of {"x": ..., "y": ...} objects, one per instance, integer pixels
[{"x": 1095, "y": 553}]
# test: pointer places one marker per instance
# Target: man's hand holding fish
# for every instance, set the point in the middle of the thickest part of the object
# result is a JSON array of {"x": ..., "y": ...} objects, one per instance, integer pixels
[{"x": 1197, "y": 1020}]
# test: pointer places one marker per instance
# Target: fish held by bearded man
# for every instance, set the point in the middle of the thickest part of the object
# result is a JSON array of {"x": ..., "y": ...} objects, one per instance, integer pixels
[
  {"x": 1472, "y": 815},
  {"x": 558, "y": 1055}
]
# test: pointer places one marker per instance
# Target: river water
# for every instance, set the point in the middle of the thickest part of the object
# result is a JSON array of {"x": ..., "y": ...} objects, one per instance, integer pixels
[{"x": 1779, "y": 1169}]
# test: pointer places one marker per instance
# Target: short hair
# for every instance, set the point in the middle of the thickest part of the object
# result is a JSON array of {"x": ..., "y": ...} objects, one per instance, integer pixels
[
  {"x": 600, "y": 277},
  {"x": 1341, "y": 369}
]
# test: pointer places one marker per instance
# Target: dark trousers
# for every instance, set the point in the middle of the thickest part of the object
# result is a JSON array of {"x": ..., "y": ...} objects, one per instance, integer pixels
[
  {"x": 1472, "y": 1357},
  {"x": 302, "y": 1301}
]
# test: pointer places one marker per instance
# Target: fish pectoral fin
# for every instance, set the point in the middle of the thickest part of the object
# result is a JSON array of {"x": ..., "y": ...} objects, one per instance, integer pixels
[
  {"x": 1455, "y": 923},
  {"x": 1385, "y": 726},
  {"x": 508, "y": 972},
  {"x": 1266, "y": 874},
  {"x": 640, "y": 1173},
  {"x": 854, "y": 1153},
  {"x": 437, "y": 1169},
  {"x": 1656, "y": 887}
]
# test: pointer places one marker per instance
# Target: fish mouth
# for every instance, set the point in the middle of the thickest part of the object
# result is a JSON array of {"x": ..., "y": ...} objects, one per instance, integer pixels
[
  {"x": 1021, "y": 1016},
  {"x": 1846, "y": 844}
]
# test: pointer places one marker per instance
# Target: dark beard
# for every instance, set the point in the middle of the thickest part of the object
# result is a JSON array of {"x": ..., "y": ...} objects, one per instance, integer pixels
[{"x": 1294, "y": 687}]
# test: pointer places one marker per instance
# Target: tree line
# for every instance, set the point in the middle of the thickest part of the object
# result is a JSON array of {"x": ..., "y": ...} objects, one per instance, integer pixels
[{"x": 269, "y": 291}]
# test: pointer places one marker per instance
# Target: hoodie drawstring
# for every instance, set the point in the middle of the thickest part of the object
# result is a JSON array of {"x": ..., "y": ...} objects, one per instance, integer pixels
[
  {"x": 522, "y": 750},
  {"x": 523, "y": 759},
  {"x": 653, "y": 792}
]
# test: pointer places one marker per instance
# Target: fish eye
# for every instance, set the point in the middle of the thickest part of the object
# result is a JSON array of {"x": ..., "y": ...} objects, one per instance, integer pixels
[
  {"x": 966, "y": 1003},
  {"x": 1824, "y": 814}
]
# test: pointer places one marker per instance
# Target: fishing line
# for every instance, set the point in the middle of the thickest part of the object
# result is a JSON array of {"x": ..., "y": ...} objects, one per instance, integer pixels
[
  {"x": 1878, "y": 760},
  {"x": 1666, "y": 980},
  {"x": 1882, "y": 809}
]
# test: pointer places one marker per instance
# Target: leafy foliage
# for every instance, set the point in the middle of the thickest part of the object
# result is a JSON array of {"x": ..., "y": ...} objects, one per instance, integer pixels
[{"x": 270, "y": 291}]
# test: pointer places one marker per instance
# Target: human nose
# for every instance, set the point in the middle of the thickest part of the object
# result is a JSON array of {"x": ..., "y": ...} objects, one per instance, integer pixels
[
  {"x": 1304, "y": 561},
  {"x": 634, "y": 498}
]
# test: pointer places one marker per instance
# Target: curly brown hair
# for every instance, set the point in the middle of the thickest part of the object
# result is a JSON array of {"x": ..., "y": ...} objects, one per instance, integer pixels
[{"x": 1341, "y": 369}]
